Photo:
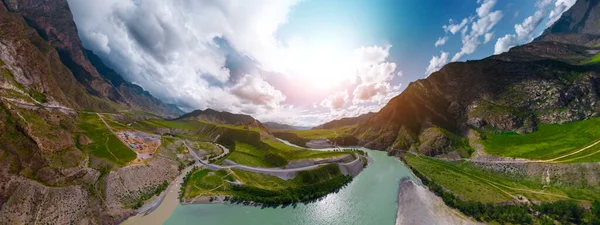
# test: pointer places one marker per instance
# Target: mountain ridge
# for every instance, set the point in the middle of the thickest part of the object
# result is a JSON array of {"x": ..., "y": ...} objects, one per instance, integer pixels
[
  {"x": 546, "y": 81},
  {"x": 346, "y": 121},
  {"x": 53, "y": 22}
]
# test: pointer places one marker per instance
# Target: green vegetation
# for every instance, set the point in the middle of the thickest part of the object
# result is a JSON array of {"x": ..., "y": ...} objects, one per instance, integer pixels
[
  {"x": 595, "y": 59},
  {"x": 548, "y": 142},
  {"x": 210, "y": 148},
  {"x": 105, "y": 145},
  {"x": 116, "y": 126},
  {"x": 38, "y": 96},
  {"x": 177, "y": 124},
  {"x": 245, "y": 186},
  {"x": 247, "y": 146},
  {"x": 275, "y": 154},
  {"x": 292, "y": 138},
  {"x": 561, "y": 211},
  {"x": 318, "y": 134},
  {"x": 473, "y": 183}
]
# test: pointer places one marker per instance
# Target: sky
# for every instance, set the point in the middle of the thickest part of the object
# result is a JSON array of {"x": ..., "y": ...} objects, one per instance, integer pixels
[{"x": 299, "y": 62}]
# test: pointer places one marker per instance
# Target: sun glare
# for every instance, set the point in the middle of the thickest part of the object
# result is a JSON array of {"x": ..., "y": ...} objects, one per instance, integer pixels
[{"x": 323, "y": 65}]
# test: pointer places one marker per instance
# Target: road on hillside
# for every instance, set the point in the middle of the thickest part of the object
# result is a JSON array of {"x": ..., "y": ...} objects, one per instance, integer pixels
[{"x": 256, "y": 169}]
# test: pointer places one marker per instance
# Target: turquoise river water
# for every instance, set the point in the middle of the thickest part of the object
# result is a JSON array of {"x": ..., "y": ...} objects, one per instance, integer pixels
[{"x": 371, "y": 198}]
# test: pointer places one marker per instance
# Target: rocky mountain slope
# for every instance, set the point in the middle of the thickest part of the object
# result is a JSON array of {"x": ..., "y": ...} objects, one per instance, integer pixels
[
  {"x": 347, "y": 121},
  {"x": 580, "y": 25},
  {"x": 106, "y": 90},
  {"x": 211, "y": 115},
  {"x": 546, "y": 81},
  {"x": 47, "y": 80}
]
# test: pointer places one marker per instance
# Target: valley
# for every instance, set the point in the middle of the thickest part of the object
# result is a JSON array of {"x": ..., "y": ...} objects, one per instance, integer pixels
[{"x": 513, "y": 138}]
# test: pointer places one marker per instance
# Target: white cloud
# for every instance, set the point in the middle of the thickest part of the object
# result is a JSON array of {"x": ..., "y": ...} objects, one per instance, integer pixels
[
  {"x": 162, "y": 46},
  {"x": 488, "y": 37},
  {"x": 485, "y": 8},
  {"x": 371, "y": 55},
  {"x": 100, "y": 40},
  {"x": 526, "y": 28},
  {"x": 525, "y": 31},
  {"x": 253, "y": 90},
  {"x": 336, "y": 101},
  {"x": 470, "y": 45},
  {"x": 441, "y": 41},
  {"x": 485, "y": 21},
  {"x": 374, "y": 82},
  {"x": 436, "y": 63},
  {"x": 505, "y": 43},
  {"x": 560, "y": 6},
  {"x": 453, "y": 28}
]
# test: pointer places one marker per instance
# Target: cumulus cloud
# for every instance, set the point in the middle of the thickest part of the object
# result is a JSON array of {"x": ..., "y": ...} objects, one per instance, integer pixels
[
  {"x": 526, "y": 28},
  {"x": 253, "y": 90},
  {"x": 482, "y": 25},
  {"x": 436, "y": 63},
  {"x": 453, "y": 28},
  {"x": 336, "y": 101},
  {"x": 488, "y": 37},
  {"x": 374, "y": 76},
  {"x": 441, "y": 41},
  {"x": 505, "y": 43},
  {"x": 175, "y": 49},
  {"x": 560, "y": 6}
]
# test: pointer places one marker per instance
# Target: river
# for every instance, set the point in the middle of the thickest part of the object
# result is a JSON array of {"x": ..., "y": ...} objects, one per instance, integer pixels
[{"x": 371, "y": 198}]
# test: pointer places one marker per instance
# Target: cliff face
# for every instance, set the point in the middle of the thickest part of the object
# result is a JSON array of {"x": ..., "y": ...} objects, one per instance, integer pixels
[
  {"x": 545, "y": 81},
  {"x": 53, "y": 21}
]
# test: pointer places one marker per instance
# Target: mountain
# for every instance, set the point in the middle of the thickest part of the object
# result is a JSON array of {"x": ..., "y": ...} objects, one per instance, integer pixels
[
  {"x": 211, "y": 115},
  {"x": 106, "y": 90},
  {"x": 579, "y": 25},
  {"x": 551, "y": 80},
  {"x": 53, "y": 146},
  {"x": 278, "y": 126},
  {"x": 349, "y": 121}
]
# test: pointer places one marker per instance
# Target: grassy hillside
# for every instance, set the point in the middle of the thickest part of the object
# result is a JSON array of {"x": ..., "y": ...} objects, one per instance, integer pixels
[
  {"x": 274, "y": 154},
  {"x": 550, "y": 141},
  {"x": 104, "y": 144},
  {"x": 595, "y": 59},
  {"x": 320, "y": 133},
  {"x": 473, "y": 183},
  {"x": 255, "y": 187}
]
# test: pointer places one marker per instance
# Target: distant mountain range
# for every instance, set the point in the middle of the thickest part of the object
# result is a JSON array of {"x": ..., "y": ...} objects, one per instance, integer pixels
[
  {"x": 349, "y": 121},
  {"x": 279, "y": 126}
]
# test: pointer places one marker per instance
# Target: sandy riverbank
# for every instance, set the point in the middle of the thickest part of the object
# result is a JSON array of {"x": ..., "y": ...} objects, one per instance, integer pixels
[
  {"x": 159, "y": 209},
  {"x": 417, "y": 205}
]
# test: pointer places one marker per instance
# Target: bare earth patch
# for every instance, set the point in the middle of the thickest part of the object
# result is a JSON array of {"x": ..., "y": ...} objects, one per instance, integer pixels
[
  {"x": 143, "y": 144},
  {"x": 418, "y": 205}
]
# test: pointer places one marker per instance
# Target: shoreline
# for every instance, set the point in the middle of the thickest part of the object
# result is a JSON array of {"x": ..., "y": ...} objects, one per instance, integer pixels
[
  {"x": 418, "y": 205},
  {"x": 152, "y": 211}
]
